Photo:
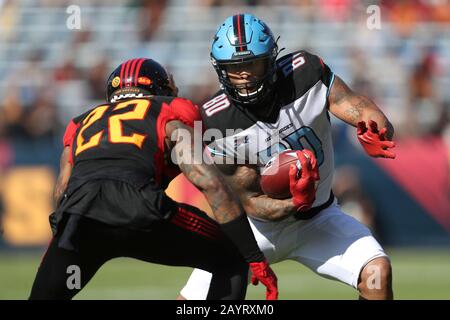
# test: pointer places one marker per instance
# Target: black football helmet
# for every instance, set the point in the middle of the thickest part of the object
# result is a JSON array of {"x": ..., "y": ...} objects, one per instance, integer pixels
[{"x": 139, "y": 78}]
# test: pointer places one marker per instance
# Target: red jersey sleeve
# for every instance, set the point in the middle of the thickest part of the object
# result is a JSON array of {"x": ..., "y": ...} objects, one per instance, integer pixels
[
  {"x": 178, "y": 109},
  {"x": 69, "y": 135},
  {"x": 185, "y": 111}
]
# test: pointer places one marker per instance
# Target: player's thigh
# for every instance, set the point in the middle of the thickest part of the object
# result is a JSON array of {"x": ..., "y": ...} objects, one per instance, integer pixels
[
  {"x": 171, "y": 244},
  {"x": 336, "y": 246},
  {"x": 266, "y": 234},
  {"x": 73, "y": 257}
]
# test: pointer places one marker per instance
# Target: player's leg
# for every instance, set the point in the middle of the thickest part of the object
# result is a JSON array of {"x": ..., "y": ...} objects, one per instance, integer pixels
[
  {"x": 337, "y": 246},
  {"x": 55, "y": 278},
  {"x": 197, "y": 286},
  {"x": 192, "y": 239},
  {"x": 375, "y": 280},
  {"x": 62, "y": 272},
  {"x": 227, "y": 272},
  {"x": 199, "y": 281}
]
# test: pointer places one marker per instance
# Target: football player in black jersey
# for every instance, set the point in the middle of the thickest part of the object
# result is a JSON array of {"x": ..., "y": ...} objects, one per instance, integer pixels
[
  {"x": 111, "y": 201},
  {"x": 274, "y": 104}
]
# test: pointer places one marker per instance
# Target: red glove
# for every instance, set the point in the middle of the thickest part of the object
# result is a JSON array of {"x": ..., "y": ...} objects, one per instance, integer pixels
[
  {"x": 303, "y": 188},
  {"x": 261, "y": 271},
  {"x": 374, "y": 141}
]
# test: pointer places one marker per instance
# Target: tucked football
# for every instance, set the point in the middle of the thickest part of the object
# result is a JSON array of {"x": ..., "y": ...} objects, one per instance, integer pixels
[{"x": 275, "y": 175}]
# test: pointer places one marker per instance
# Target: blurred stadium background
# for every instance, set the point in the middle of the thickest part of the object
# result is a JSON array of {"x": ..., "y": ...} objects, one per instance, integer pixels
[{"x": 50, "y": 73}]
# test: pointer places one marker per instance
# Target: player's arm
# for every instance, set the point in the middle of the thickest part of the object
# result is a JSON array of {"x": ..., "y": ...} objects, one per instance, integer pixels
[
  {"x": 352, "y": 108},
  {"x": 65, "y": 169},
  {"x": 245, "y": 182},
  {"x": 263, "y": 207},
  {"x": 361, "y": 112},
  {"x": 65, "y": 162},
  {"x": 205, "y": 177},
  {"x": 227, "y": 209}
]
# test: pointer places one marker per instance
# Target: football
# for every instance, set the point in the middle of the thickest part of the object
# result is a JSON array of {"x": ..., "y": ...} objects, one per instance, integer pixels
[{"x": 275, "y": 175}]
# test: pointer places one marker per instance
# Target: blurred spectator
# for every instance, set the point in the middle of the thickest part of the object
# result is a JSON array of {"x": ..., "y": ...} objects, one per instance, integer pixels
[
  {"x": 71, "y": 89},
  {"x": 31, "y": 121},
  {"x": 151, "y": 14},
  {"x": 361, "y": 73},
  {"x": 421, "y": 80},
  {"x": 336, "y": 10},
  {"x": 424, "y": 109},
  {"x": 305, "y": 8},
  {"x": 350, "y": 194},
  {"x": 41, "y": 119},
  {"x": 81, "y": 37},
  {"x": 405, "y": 14},
  {"x": 443, "y": 120},
  {"x": 9, "y": 10},
  {"x": 6, "y": 154},
  {"x": 30, "y": 78},
  {"x": 96, "y": 78},
  {"x": 12, "y": 114},
  {"x": 440, "y": 12},
  {"x": 67, "y": 71}
]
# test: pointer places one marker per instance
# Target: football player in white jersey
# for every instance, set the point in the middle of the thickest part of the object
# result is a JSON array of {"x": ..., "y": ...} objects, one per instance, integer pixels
[{"x": 267, "y": 105}]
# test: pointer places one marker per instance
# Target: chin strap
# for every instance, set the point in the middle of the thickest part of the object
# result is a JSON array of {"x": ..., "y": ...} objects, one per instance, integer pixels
[{"x": 278, "y": 51}]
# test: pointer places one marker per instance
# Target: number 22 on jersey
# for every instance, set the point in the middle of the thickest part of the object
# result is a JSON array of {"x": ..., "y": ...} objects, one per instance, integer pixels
[{"x": 115, "y": 130}]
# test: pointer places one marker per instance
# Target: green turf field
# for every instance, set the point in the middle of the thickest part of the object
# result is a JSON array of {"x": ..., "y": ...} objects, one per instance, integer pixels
[{"x": 418, "y": 274}]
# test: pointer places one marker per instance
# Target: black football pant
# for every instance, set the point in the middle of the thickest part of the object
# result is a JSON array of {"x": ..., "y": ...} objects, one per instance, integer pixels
[{"x": 169, "y": 243}]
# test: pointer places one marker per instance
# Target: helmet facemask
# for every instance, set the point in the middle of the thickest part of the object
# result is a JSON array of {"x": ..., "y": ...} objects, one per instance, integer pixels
[{"x": 248, "y": 81}]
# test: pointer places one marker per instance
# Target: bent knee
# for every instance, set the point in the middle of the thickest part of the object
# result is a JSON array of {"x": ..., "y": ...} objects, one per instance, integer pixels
[{"x": 377, "y": 274}]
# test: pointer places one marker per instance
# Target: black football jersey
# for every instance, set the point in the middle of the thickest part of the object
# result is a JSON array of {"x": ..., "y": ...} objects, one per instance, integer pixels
[{"x": 125, "y": 140}]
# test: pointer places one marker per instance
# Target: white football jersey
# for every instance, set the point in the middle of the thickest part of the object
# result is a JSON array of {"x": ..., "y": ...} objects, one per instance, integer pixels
[{"x": 300, "y": 120}]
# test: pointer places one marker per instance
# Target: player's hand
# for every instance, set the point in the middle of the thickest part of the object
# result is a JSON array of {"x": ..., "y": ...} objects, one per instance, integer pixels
[
  {"x": 373, "y": 141},
  {"x": 262, "y": 272},
  {"x": 303, "y": 183}
]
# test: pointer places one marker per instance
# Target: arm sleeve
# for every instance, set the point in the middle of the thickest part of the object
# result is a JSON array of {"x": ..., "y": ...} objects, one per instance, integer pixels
[
  {"x": 185, "y": 111},
  {"x": 318, "y": 69},
  {"x": 178, "y": 109},
  {"x": 327, "y": 76},
  {"x": 301, "y": 71},
  {"x": 69, "y": 136}
]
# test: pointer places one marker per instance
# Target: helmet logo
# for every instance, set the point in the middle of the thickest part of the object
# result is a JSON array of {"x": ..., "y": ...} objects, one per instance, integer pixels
[
  {"x": 234, "y": 40},
  {"x": 242, "y": 53},
  {"x": 144, "y": 81},
  {"x": 115, "y": 82}
]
